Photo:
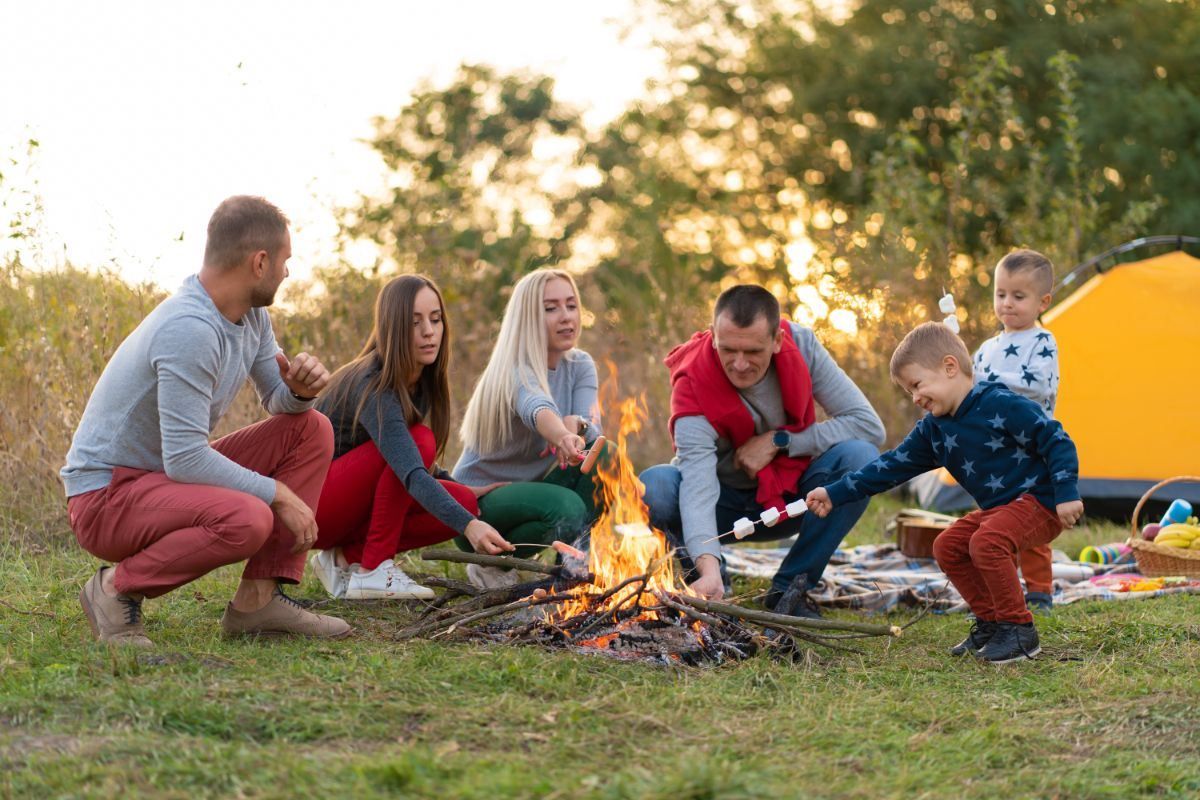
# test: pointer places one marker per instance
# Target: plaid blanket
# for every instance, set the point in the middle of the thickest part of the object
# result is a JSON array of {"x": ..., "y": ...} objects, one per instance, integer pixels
[{"x": 878, "y": 577}]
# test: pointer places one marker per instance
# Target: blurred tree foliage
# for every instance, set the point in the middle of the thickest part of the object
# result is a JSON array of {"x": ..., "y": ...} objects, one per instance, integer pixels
[{"x": 856, "y": 161}]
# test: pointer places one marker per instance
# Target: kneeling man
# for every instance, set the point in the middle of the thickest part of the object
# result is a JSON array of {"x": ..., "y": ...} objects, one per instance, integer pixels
[{"x": 746, "y": 438}]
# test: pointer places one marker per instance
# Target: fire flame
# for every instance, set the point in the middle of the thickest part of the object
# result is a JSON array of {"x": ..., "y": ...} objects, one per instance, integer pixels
[{"x": 623, "y": 545}]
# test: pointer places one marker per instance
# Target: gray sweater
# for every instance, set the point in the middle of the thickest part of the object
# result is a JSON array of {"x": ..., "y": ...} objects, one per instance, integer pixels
[
  {"x": 166, "y": 388},
  {"x": 573, "y": 386},
  {"x": 382, "y": 422},
  {"x": 705, "y": 460}
]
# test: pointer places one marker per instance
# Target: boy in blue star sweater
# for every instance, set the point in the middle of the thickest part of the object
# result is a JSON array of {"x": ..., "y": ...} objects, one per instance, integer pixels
[{"x": 1018, "y": 464}]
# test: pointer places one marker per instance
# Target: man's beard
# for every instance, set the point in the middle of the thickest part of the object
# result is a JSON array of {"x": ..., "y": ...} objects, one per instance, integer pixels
[{"x": 260, "y": 297}]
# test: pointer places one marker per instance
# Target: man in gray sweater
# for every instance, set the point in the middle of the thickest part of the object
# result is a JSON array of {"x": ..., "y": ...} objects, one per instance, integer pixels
[
  {"x": 746, "y": 439},
  {"x": 148, "y": 491}
]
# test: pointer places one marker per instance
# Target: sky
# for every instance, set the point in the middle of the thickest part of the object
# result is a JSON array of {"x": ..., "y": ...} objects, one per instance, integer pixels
[{"x": 148, "y": 114}]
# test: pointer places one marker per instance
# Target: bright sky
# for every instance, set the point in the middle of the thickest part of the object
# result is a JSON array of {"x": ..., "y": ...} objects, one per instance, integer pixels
[{"x": 150, "y": 113}]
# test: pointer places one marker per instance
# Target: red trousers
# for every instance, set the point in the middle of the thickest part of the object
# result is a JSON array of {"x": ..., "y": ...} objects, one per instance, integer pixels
[
  {"x": 979, "y": 555},
  {"x": 1037, "y": 569},
  {"x": 162, "y": 534},
  {"x": 366, "y": 511}
]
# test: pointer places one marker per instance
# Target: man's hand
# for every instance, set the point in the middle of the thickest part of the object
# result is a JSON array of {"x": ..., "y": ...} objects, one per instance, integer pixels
[
  {"x": 296, "y": 516},
  {"x": 304, "y": 374},
  {"x": 480, "y": 491},
  {"x": 755, "y": 453},
  {"x": 818, "y": 502},
  {"x": 486, "y": 539},
  {"x": 709, "y": 585},
  {"x": 1069, "y": 513}
]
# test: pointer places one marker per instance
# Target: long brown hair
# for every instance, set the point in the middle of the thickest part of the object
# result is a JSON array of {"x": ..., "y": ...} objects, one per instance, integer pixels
[{"x": 389, "y": 348}]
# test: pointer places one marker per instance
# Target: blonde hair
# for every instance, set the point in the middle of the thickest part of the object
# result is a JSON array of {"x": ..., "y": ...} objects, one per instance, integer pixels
[
  {"x": 518, "y": 357},
  {"x": 926, "y": 345},
  {"x": 1033, "y": 262}
]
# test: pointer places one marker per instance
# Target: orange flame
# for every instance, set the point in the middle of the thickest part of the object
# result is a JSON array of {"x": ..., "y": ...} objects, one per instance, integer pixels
[{"x": 623, "y": 544}]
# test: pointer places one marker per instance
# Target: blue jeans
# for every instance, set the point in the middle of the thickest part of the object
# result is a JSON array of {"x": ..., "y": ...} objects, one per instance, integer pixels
[{"x": 817, "y": 538}]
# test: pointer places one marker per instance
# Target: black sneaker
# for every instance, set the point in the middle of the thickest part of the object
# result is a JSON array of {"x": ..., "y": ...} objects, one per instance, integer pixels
[
  {"x": 1039, "y": 602},
  {"x": 804, "y": 606},
  {"x": 1011, "y": 642},
  {"x": 981, "y": 631}
]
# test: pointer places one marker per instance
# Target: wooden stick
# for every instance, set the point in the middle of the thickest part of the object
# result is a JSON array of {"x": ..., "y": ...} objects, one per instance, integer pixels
[
  {"x": 687, "y": 611},
  {"x": 504, "y": 562},
  {"x": 514, "y": 606},
  {"x": 782, "y": 620}
]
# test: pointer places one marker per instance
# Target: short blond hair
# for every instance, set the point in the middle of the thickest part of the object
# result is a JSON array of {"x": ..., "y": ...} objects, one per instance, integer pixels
[
  {"x": 926, "y": 345},
  {"x": 1033, "y": 262}
]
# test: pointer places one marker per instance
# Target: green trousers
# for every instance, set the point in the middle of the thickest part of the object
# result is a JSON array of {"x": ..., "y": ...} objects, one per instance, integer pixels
[{"x": 559, "y": 506}]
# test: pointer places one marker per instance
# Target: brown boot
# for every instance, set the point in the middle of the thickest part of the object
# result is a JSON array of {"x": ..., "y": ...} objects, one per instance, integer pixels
[
  {"x": 281, "y": 616},
  {"x": 115, "y": 620}
]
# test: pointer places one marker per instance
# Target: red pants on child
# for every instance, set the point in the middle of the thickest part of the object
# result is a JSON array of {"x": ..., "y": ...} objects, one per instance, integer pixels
[
  {"x": 366, "y": 511},
  {"x": 163, "y": 534},
  {"x": 979, "y": 555},
  {"x": 1037, "y": 567}
]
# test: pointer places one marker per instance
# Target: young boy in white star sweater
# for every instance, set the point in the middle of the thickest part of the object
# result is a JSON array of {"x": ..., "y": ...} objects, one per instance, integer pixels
[
  {"x": 1018, "y": 464},
  {"x": 1024, "y": 357}
]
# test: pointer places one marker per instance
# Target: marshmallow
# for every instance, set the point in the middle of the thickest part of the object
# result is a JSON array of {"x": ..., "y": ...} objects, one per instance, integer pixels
[
  {"x": 951, "y": 323},
  {"x": 742, "y": 528},
  {"x": 946, "y": 304},
  {"x": 770, "y": 516},
  {"x": 795, "y": 508}
]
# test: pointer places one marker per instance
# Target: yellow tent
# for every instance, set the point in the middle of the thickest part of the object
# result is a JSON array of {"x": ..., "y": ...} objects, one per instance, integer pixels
[{"x": 1129, "y": 355}]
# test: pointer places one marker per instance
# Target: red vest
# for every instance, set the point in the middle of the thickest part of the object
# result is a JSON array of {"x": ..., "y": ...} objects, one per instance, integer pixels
[{"x": 699, "y": 386}]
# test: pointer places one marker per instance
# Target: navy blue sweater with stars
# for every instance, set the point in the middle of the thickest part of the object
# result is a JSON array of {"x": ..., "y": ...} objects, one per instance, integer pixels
[{"x": 997, "y": 445}]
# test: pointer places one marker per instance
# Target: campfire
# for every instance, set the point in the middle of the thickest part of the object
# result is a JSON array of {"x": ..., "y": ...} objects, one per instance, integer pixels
[{"x": 622, "y": 597}]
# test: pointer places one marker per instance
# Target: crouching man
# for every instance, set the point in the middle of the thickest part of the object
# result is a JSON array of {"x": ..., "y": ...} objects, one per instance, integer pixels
[
  {"x": 743, "y": 420},
  {"x": 146, "y": 489}
]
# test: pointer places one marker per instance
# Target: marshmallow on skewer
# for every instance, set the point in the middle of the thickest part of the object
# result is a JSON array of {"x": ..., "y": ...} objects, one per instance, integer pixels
[
  {"x": 742, "y": 528},
  {"x": 795, "y": 508},
  {"x": 770, "y": 516},
  {"x": 951, "y": 322},
  {"x": 946, "y": 304}
]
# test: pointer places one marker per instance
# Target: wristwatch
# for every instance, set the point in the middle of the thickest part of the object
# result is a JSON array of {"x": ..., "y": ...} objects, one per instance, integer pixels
[{"x": 781, "y": 439}]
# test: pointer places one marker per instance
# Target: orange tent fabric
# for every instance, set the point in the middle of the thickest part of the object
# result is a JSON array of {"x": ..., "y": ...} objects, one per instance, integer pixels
[{"x": 1129, "y": 356}]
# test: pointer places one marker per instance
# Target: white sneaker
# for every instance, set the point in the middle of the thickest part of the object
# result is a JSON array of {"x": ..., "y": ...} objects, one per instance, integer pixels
[
  {"x": 483, "y": 577},
  {"x": 332, "y": 575},
  {"x": 385, "y": 582}
]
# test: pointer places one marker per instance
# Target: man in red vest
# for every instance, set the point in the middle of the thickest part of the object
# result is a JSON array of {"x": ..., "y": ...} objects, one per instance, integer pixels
[{"x": 743, "y": 396}]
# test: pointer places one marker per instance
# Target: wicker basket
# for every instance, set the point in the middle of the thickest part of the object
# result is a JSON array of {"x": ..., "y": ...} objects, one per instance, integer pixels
[{"x": 1156, "y": 560}]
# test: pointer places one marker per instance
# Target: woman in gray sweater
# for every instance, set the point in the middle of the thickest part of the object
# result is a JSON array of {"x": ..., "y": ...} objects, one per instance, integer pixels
[
  {"x": 529, "y": 420},
  {"x": 390, "y": 409}
]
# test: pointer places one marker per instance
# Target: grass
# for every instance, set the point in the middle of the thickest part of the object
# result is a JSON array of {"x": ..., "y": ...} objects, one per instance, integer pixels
[{"x": 1108, "y": 711}]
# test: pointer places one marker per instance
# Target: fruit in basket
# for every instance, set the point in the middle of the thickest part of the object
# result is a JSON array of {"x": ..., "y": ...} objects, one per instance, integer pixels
[
  {"x": 1150, "y": 531},
  {"x": 1179, "y": 535}
]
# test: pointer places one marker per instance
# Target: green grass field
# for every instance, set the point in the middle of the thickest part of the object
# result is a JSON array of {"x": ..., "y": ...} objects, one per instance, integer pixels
[{"x": 1108, "y": 711}]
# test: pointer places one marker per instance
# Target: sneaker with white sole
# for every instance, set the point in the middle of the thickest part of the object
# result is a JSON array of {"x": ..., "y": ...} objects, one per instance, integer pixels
[
  {"x": 385, "y": 582},
  {"x": 332, "y": 575},
  {"x": 482, "y": 577}
]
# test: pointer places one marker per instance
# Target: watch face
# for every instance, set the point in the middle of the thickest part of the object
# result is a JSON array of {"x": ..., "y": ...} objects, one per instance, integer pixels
[{"x": 781, "y": 439}]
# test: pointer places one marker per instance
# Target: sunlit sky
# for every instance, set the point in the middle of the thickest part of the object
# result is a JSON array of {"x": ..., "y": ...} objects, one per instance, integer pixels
[{"x": 148, "y": 114}]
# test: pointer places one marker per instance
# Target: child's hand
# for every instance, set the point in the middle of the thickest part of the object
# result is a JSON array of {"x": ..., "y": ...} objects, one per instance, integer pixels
[
  {"x": 818, "y": 501},
  {"x": 1069, "y": 513}
]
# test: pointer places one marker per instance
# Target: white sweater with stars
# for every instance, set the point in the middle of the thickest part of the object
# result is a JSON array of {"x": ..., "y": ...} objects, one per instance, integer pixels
[{"x": 1025, "y": 361}]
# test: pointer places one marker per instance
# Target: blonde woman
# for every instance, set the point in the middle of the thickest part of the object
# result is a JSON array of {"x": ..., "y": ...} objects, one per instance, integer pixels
[{"x": 529, "y": 421}]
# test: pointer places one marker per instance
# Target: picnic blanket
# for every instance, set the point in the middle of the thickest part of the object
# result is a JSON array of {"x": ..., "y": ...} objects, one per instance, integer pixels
[{"x": 878, "y": 577}]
